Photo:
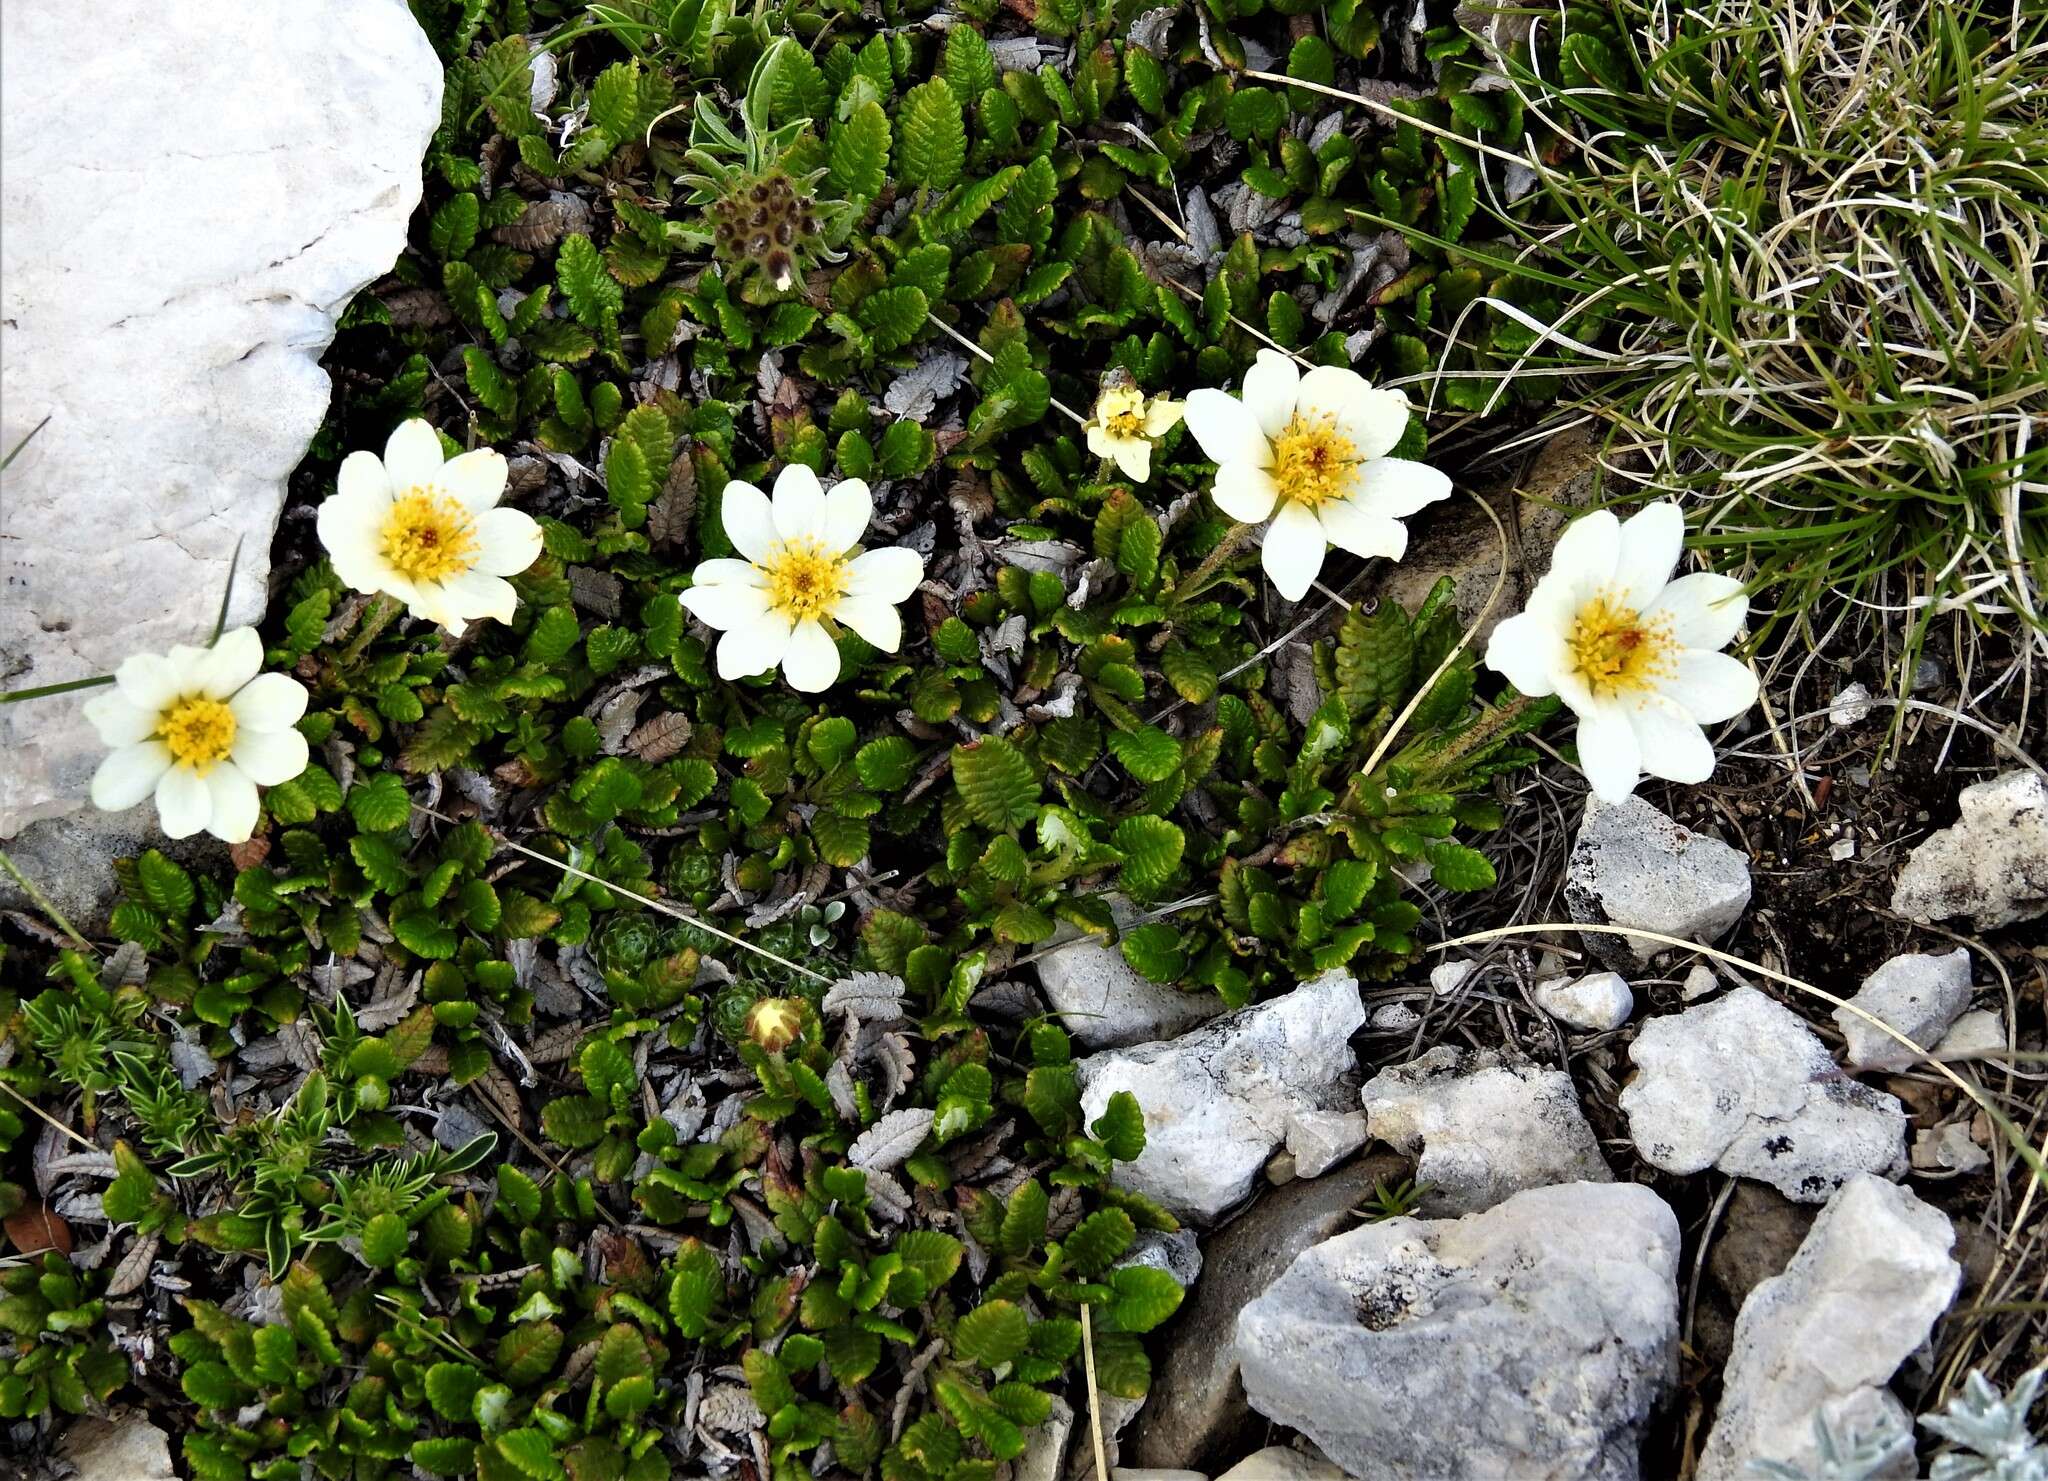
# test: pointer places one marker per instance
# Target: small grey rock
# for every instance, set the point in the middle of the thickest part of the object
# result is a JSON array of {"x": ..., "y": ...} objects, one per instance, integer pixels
[
  {"x": 1532, "y": 1340},
  {"x": 1394, "y": 1018},
  {"x": 1596, "y": 1003},
  {"x": 1278, "y": 1463},
  {"x": 1744, "y": 1085},
  {"x": 1218, "y": 1101},
  {"x": 1632, "y": 866},
  {"x": 1105, "y": 1003},
  {"x": 1698, "y": 982},
  {"x": 1453, "y": 1107},
  {"x": 1319, "y": 1140},
  {"x": 1919, "y": 995},
  {"x": 1861, "y": 1294},
  {"x": 1045, "y": 1446},
  {"x": 1991, "y": 866},
  {"x": 1977, "y": 1032}
]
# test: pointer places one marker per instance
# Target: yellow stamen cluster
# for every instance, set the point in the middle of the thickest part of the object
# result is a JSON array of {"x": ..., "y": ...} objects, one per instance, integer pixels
[
  {"x": 428, "y": 536},
  {"x": 804, "y": 579},
  {"x": 1313, "y": 461},
  {"x": 199, "y": 732},
  {"x": 1616, "y": 651},
  {"x": 1121, "y": 410}
]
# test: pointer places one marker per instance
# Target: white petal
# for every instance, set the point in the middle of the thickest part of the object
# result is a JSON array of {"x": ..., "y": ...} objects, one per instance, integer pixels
[
  {"x": 362, "y": 477},
  {"x": 1226, "y": 430},
  {"x": 1293, "y": 551},
  {"x": 507, "y": 542},
  {"x": 1374, "y": 420},
  {"x": 230, "y": 663},
  {"x": 476, "y": 594},
  {"x": 1134, "y": 457},
  {"x": 183, "y": 803},
  {"x": 1528, "y": 651},
  {"x": 1271, "y": 388},
  {"x": 1583, "y": 562},
  {"x": 874, "y": 619},
  {"x": 1162, "y": 416},
  {"x": 1608, "y": 753},
  {"x": 748, "y": 518},
  {"x": 799, "y": 504},
  {"x": 1711, "y": 687},
  {"x": 753, "y": 649},
  {"x": 848, "y": 508},
  {"x": 268, "y": 702},
  {"x": 726, "y": 605},
  {"x": 129, "y": 775},
  {"x": 1651, "y": 540},
  {"x": 1351, "y": 525},
  {"x": 412, "y": 457},
  {"x": 149, "y": 681},
  {"x": 118, "y": 721},
  {"x": 1399, "y": 487},
  {"x": 1100, "y": 442},
  {"x": 350, "y": 527},
  {"x": 232, "y": 804},
  {"x": 1245, "y": 491},
  {"x": 1672, "y": 746},
  {"x": 1705, "y": 610},
  {"x": 270, "y": 756},
  {"x": 727, "y": 572},
  {"x": 891, "y": 572},
  {"x": 476, "y": 479},
  {"x": 812, "y": 661}
]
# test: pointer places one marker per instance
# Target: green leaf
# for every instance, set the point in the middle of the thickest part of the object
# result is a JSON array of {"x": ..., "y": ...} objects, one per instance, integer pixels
[
  {"x": 211, "y": 1386},
  {"x": 1121, "y": 1127},
  {"x": 1024, "y": 1218},
  {"x": 1145, "y": 1297},
  {"x": 1152, "y": 849},
  {"x": 859, "y": 155},
  {"x": 893, "y": 317},
  {"x": 1098, "y": 1240},
  {"x": 527, "y": 1353},
  {"x": 884, "y": 765},
  {"x": 992, "y": 1334},
  {"x": 995, "y": 780},
  {"x": 591, "y": 293},
  {"x": 1148, "y": 753},
  {"x": 932, "y": 143},
  {"x": 451, "y": 1389},
  {"x": 166, "y": 887},
  {"x": 380, "y": 804},
  {"x": 1457, "y": 867}
]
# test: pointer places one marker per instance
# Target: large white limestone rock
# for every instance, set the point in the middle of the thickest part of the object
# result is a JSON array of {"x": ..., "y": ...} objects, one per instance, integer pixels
[
  {"x": 1867, "y": 1285},
  {"x": 188, "y": 211}
]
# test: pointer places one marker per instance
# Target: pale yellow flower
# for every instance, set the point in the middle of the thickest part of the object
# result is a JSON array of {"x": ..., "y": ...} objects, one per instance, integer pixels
[{"x": 1126, "y": 423}]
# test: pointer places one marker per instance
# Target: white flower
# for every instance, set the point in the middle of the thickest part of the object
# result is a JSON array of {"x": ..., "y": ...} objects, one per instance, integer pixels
[
  {"x": 428, "y": 532},
  {"x": 1316, "y": 447},
  {"x": 201, "y": 729},
  {"x": 1126, "y": 423},
  {"x": 1633, "y": 652},
  {"x": 803, "y": 567}
]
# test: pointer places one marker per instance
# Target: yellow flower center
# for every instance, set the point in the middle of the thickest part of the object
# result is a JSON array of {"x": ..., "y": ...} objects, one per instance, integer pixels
[
  {"x": 1616, "y": 651},
  {"x": 428, "y": 536},
  {"x": 1127, "y": 424},
  {"x": 199, "y": 732},
  {"x": 804, "y": 579},
  {"x": 1313, "y": 461}
]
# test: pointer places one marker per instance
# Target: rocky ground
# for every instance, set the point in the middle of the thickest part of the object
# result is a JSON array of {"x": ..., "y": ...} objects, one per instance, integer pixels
[{"x": 1673, "y": 1204}]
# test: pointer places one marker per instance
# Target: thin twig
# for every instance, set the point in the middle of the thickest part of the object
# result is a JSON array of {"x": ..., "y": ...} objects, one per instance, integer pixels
[{"x": 1094, "y": 1395}]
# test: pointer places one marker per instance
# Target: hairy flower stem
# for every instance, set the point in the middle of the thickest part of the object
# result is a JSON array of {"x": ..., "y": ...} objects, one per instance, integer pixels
[
  {"x": 1199, "y": 580},
  {"x": 376, "y": 618}
]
